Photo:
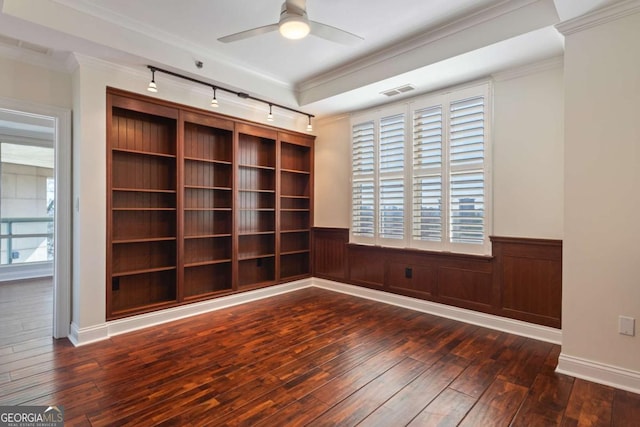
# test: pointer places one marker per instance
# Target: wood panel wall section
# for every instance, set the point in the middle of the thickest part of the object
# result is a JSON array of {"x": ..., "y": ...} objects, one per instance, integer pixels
[
  {"x": 529, "y": 273},
  {"x": 522, "y": 280},
  {"x": 200, "y": 205},
  {"x": 330, "y": 253}
]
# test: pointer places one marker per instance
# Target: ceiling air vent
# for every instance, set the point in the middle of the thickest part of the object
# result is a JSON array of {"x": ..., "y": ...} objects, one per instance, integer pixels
[
  {"x": 398, "y": 90},
  {"x": 10, "y": 41}
]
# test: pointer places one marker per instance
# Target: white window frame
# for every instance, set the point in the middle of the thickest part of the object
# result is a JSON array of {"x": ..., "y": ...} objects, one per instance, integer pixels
[{"x": 408, "y": 108}]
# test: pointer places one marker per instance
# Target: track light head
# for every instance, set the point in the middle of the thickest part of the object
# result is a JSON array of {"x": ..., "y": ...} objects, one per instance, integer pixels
[
  {"x": 214, "y": 100},
  {"x": 309, "y": 127},
  {"x": 270, "y": 115},
  {"x": 152, "y": 84}
]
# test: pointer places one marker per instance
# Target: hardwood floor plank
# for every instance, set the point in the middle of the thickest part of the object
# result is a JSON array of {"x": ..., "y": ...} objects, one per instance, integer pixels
[
  {"x": 299, "y": 413},
  {"x": 80, "y": 421},
  {"x": 479, "y": 345},
  {"x": 626, "y": 408},
  {"x": 550, "y": 363},
  {"x": 446, "y": 410},
  {"x": 347, "y": 383},
  {"x": 590, "y": 404},
  {"x": 310, "y": 356},
  {"x": 545, "y": 404},
  {"x": 229, "y": 403},
  {"x": 299, "y": 387},
  {"x": 525, "y": 365},
  {"x": 477, "y": 377},
  {"x": 365, "y": 400},
  {"x": 410, "y": 400},
  {"x": 497, "y": 406}
]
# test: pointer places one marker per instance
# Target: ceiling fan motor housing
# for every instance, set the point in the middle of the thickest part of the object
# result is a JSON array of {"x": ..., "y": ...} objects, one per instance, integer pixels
[{"x": 293, "y": 23}]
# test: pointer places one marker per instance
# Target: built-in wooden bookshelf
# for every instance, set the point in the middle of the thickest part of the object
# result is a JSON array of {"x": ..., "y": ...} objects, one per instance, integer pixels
[
  {"x": 142, "y": 241},
  {"x": 256, "y": 213},
  {"x": 296, "y": 185},
  {"x": 208, "y": 205},
  {"x": 200, "y": 205}
]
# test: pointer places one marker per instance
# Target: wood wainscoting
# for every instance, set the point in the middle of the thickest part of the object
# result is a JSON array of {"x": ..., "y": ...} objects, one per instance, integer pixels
[{"x": 521, "y": 280}]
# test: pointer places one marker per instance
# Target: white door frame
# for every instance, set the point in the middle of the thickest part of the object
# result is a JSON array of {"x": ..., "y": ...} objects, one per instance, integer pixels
[{"x": 62, "y": 215}]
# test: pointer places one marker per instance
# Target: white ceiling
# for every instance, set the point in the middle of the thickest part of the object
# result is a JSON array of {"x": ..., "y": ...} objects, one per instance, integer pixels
[{"x": 428, "y": 43}]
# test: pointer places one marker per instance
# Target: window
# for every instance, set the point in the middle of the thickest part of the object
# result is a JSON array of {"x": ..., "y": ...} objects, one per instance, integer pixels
[{"x": 420, "y": 174}]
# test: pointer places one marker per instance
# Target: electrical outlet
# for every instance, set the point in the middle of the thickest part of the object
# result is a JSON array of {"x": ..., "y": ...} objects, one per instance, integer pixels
[{"x": 627, "y": 325}]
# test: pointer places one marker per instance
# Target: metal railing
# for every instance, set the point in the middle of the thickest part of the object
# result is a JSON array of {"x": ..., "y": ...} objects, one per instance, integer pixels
[{"x": 10, "y": 235}]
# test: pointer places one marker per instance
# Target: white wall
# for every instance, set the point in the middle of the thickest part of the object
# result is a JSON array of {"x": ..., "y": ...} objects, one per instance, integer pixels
[
  {"x": 602, "y": 173},
  {"x": 527, "y": 137},
  {"x": 332, "y": 192},
  {"x": 19, "y": 80},
  {"x": 528, "y": 153}
]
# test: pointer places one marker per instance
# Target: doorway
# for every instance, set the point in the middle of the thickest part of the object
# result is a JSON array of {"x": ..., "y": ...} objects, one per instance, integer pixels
[{"x": 35, "y": 211}]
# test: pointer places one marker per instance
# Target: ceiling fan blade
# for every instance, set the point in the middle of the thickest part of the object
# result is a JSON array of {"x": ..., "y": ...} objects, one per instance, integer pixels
[
  {"x": 333, "y": 34},
  {"x": 248, "y": 33}
]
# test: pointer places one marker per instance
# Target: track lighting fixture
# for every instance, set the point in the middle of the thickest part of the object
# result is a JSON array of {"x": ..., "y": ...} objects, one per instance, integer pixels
[
  {"x": 214, "y": 101},
  {"x": 152, "y": 84}
]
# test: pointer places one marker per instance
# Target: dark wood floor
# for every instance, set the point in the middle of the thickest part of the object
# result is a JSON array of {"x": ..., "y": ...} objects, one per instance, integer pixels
[{"x": 310, "y": 357}]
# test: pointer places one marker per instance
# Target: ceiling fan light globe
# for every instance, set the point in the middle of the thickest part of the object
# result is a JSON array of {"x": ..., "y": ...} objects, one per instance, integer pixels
[{"x": 294, "y": 27}]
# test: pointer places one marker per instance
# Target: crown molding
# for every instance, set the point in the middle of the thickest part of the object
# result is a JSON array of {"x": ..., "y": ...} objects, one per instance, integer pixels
[
  {"x": 419, "y": 41},
  {"x": 599, "y": 17},
  {"x": 528, "y": 69},
  {"x": 327, "y": 120}
]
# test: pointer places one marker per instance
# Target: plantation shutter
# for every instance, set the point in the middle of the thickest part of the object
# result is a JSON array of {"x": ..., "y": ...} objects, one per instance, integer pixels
[
  {"x": 466, "y": 167},
  {"x": 363, "y": 180},
  {"x": 422, "y": 173},
  {"x": 391, "y": 177},
  {"x": 427, "y": 212}
]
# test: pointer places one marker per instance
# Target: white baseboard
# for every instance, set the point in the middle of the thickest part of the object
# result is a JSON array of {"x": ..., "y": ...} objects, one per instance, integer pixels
[
  {"x": 82, "y": 336},
  {"x": 517, "y": 327},
  {"x": 599, "y": 373}
]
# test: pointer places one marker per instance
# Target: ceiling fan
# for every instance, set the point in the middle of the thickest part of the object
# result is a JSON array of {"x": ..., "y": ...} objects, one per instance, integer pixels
[{"x": 295, "y": 25}]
